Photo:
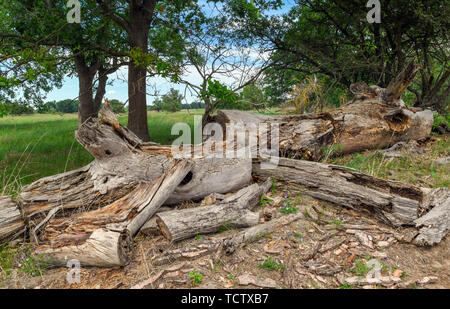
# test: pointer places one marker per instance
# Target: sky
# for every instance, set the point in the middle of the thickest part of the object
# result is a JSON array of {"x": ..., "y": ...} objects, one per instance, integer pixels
[{"x": 117, "y": 87}]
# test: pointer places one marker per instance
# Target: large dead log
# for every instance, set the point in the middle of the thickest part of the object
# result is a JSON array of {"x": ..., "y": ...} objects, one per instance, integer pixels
[
  {"x": 395, "y": 203},
  {"x": 232, "y": 212},
  {"x": 375, "y": 118},
  {"x": 121, "y": 162},
  {"x": 102, "y": 237}
]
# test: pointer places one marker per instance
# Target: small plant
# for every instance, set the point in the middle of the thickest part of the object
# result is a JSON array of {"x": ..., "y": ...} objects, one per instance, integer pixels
[
  {"x": 337, "y": 222},
  {"x": 225, "y": 227},
  {"x": 274, "y": 185},
  {"x": 196, "y": 277},
  {"x": 7, "y": 256},
  {"x": 361, "y": 268},
  {"x": 198, "y": 237},
  {"x": 32, "y": 263},
  {"x": 287, "y": 207},
  {"x": 263, "y": 202},
  {"x": 230, "y": 276},
  {"x": 297, "y": 235},
  {"x": 271, "y": 264},
  {"x": 346, "y": 286}
]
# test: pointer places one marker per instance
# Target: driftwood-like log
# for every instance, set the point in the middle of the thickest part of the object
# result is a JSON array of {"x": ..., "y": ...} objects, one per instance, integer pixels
[
  {"x": 393, "y": 202},
  {"x": 435, "y": 224},
  {"x": 102, "y": 237},
  {"x": 232, "y": 212},
  {"x": 375, "y": 118},
  {"x": 10, "y": 218}
]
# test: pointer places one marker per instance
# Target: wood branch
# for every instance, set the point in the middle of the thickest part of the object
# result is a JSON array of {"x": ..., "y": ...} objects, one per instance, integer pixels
[
  {"x": 256, "y": 232},
  {"x": 372, "y": 120},
  {"x": 233, "y": 212},
  {"x": 392, "y": 202},
  {"x": 395, "y": 90},
  {"x": 10, "y": 218},
  {"x": 82, "y": 236}
]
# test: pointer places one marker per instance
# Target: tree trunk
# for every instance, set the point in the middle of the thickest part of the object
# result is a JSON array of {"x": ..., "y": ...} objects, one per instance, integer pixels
[
  {"x": 86, "y": 106},
  {"x": 376, "y": 118},
  {"x": 139, "y": 26}
]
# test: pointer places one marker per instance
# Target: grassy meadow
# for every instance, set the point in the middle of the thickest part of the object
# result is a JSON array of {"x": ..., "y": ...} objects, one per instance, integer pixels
[{"x": 39, "y": 145}]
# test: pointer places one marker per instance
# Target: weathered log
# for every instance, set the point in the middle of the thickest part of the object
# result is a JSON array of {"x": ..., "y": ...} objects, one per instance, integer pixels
[
  {"x": 102, "y": 237},
  {"x": 232, "y": 212},
  {"x": 10, "y": 218},
  {"x": 121, "y": 162},
  {"x": 435, "y": 224},
  {"x": 376, "y": 118},
  {"x": 392, "y": 202}
]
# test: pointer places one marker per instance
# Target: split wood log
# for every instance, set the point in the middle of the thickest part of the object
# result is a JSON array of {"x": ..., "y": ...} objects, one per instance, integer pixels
[
  {"x": 11, "y": 220},
  {"x": 395, "y": 203},
  {"x": 376, "y": 118},
  {"x": 102, "y": 237},
  {"x": 232, "y": 212}
]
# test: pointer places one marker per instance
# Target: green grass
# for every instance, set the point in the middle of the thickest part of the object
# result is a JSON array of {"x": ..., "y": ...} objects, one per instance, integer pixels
[
  {"x": 271, "y": 264},
  {"x": 35, "y": 146}
]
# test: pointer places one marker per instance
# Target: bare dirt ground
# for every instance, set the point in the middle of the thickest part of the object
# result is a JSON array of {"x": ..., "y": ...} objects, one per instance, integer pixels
[{"x": 328, "y": 247}]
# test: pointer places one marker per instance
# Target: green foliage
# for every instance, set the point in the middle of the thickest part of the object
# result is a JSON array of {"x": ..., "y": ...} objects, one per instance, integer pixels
[
  {"x": 361, "y": 268},
  {"x": 441, "y": 120},
  {"x": 196, "y": 278},
  {"x": 117, "y": 106},
  {"x": 170, "y": 102},
  {"x": 3, "y": 110},
  {"x": 198, "y": 237},
  {"x": 7, "y": 257},
  {"x": 220, "y": 94},
  {"x": 32, "y": 263},
  {"x": 263, "y": 201},
  {"x": 287, "y": 206},
  {"x": 337, "y": 222},
  {"x": 346, "y": 286},
  {"x": 271, "y": 264}
]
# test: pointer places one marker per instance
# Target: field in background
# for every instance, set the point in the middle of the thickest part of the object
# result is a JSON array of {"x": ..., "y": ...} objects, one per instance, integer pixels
[{"x": 35, "y": 146}]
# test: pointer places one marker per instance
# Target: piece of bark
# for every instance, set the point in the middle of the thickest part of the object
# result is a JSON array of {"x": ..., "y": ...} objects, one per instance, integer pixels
[
  {"x": 435, "y": 224},
  {"x": 395, "y": 203},
  {"x": 378, "y": 120},
  {"x": 117, "y": 223},
  {"x": 10, "y": 218},
  {"x": 232, "y": 212}
]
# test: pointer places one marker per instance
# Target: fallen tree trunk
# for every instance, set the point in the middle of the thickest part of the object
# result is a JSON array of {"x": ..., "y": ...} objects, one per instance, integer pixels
[
  {"x": 395, "y": 203},
  {"x": 376, "y": 118},
  {"x": 121, "y": 162},
  {"x": 10, "y": 218},
  {"x": 102, "y": 237},
  {"x": 232, "y": 212}
]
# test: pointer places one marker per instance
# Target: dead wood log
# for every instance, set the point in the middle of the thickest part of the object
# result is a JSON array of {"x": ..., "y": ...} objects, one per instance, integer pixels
[
  {"x": 395, "y": 203},
  {"x": 435, "y": 224},
  {"x": 10, "y": 218},
  {"x": 376, "y": 118},
  {"x": 232, "y": 212},
  {"x": 121, "y": 163},
  {"x": 102, "y": 237}
]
